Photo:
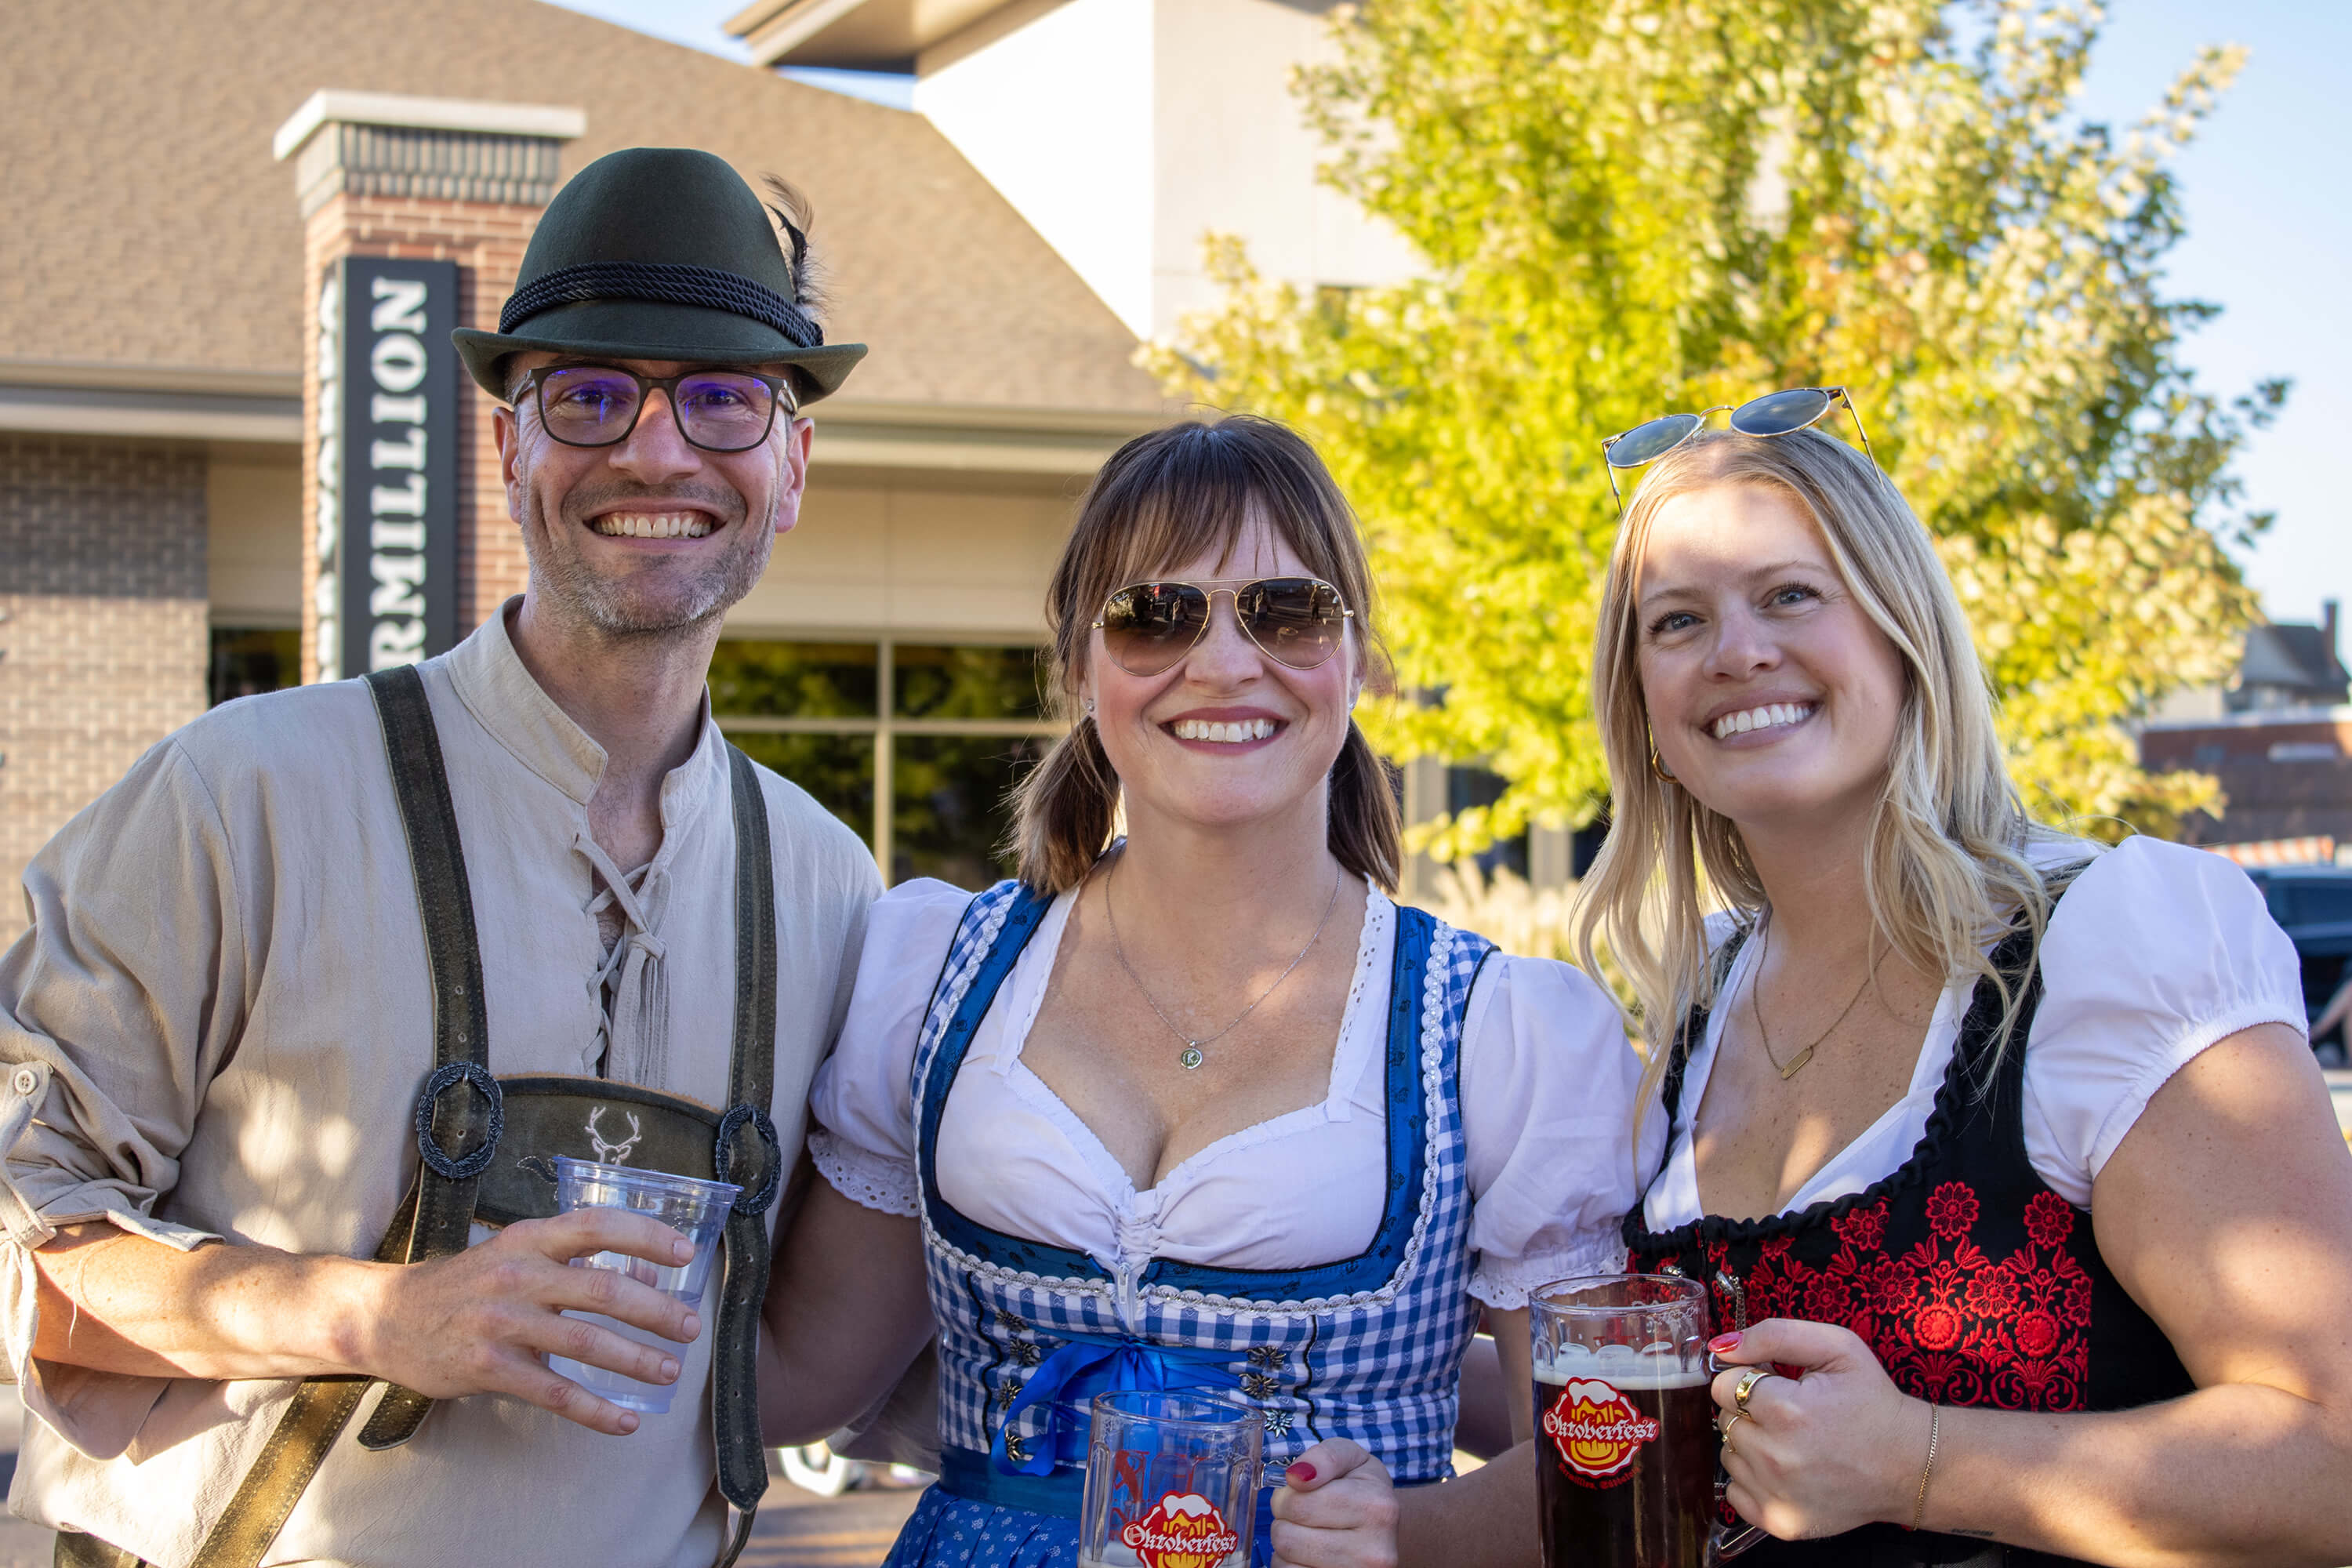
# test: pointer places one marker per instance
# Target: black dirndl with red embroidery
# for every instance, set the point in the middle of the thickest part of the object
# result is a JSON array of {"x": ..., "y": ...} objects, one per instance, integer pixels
[{"x": 1970, "y": 1280}]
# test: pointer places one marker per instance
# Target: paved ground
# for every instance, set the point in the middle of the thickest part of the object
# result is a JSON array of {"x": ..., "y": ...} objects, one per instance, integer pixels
[
  {"x": 2339, "y": 1087},
  {"x": 794, "y": 1530}
]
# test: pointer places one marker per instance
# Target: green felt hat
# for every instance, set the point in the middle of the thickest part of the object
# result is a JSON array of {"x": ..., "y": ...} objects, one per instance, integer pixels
[{"x": 660, "y": 253}]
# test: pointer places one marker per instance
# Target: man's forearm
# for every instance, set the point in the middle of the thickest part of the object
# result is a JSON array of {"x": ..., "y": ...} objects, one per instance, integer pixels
[{"x": 117, "y": 1302}]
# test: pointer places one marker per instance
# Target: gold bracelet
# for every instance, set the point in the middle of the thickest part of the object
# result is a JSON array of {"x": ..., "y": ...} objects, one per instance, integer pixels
[{"x": 1919, "y": 1509}]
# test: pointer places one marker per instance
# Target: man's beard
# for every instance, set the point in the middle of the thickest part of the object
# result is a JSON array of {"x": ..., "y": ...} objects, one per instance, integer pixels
[{"x": 660, "y": 596}]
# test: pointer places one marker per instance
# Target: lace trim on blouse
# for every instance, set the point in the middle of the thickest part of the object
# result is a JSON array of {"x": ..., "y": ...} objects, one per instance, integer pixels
[
  {"x": 1504, "y": 1285},
  {"x": 863, "y": 1178}
]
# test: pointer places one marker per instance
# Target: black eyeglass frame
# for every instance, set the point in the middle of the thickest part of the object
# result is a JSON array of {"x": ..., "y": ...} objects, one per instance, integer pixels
[
  {"x": 1683, "y": 426},
  {"x": 1209, "y": 588},
  {"x": 781, "y": 395}
]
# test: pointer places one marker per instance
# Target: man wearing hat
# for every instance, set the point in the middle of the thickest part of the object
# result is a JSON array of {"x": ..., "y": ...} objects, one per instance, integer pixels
[{"x": 322, "y": 989}]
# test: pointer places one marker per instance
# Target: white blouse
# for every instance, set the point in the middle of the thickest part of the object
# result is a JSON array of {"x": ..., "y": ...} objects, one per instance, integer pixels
[
  {"x": 2154, "y": 952},
  {"x": 1546, "y": 1086}
]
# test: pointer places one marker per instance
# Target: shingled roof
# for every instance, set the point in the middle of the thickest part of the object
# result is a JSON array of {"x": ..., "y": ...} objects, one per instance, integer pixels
[{"x": 148, "y": 225}]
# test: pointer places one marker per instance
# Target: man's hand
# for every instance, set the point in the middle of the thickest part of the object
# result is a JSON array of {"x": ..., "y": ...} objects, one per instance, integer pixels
[
  {"x": 1336, "y": 1509},
  {"x": 476, "y": 1323},
  {"x": 480, "y": 1321}
]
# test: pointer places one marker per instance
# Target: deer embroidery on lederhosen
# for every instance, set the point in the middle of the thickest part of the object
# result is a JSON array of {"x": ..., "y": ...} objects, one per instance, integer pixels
[{"x": 613, "y": 1153}]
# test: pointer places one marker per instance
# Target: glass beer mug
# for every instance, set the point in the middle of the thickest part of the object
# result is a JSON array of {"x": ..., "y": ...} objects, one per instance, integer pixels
[
  {"x": 1627, "y": 1455},
  {"x": 1172, "y": 1481}
]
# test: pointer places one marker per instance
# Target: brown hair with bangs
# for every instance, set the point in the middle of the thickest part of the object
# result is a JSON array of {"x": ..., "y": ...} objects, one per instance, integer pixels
[{"x": 1163, "y": 499}]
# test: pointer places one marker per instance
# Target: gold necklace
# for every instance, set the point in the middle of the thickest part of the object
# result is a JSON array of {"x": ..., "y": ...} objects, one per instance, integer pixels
[
  {"x": 1190, "y": 1058},
  {"x": 1756, "y": 1006}
]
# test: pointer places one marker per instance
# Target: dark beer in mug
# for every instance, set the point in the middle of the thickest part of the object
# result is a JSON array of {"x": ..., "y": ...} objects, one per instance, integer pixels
[{"x": 1626, "y": 1459}]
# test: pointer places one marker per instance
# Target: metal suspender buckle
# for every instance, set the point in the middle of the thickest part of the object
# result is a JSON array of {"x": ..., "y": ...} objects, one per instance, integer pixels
[
  {"x": 751, "y": 1200},
  {"x": 460, "y": 1167}
]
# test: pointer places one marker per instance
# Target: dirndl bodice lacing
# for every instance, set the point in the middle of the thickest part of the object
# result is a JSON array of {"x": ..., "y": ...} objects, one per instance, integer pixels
[{"x": 1368, "y": 1348}]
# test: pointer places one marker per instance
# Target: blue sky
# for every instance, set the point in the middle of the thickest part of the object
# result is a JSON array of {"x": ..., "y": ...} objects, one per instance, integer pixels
[{"x": 2268, "y": 196}]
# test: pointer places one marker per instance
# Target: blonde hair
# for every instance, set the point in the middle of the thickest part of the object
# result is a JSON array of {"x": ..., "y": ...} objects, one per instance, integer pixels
[
  {"x": 1945, "y": 864},
  {"x": 1163, "y": 499}
]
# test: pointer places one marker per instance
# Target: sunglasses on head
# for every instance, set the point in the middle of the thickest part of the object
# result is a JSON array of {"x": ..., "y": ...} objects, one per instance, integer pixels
[
  {"x": 1149, "y": 627},
  {"x": 1774, "y": 414}
]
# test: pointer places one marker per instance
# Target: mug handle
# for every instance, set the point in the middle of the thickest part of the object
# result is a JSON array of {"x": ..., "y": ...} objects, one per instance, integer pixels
[{"x": 1726, "y": 1541}]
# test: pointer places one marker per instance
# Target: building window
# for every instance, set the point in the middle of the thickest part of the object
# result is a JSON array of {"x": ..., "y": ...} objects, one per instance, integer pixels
[
  {"x": 249, "y": 660},
  {"x": 914, "y": 745},
  {"x": 1467, "y": 788}
]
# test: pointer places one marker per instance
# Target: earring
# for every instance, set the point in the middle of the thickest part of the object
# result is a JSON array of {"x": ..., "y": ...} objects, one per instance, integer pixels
[
  {"x": 1090, "y": 707},
  {"x": 1663, "y": 774}
]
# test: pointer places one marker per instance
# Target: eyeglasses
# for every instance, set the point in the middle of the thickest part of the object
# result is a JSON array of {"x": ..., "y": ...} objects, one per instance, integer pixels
[
  {"x": 1149, "y": 627},
  {"x": 1774, "y": 414},
  {"x": 717, "y": 410}
]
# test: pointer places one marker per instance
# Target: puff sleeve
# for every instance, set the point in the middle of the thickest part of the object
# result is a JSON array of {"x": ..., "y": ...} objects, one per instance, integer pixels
[
  {"x": 863, "y": 1101},
  {"x": 2156, "y": 952},
  {"x": 1549, "y": 1082}
]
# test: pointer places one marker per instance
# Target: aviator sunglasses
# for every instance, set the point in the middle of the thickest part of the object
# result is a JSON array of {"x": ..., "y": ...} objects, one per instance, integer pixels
[
  {"x": 1149, "y": 627},
  {"x": 1774, "y": 414}
]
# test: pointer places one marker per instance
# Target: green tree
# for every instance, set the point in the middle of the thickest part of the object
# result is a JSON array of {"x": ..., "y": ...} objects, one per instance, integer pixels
[{"x": 1632, "y": 206}]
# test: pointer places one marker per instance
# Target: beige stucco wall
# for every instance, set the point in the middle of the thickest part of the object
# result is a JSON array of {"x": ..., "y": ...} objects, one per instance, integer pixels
[
  {"x": 252, "y": 559},
  {"x": 879, "y": 551}
]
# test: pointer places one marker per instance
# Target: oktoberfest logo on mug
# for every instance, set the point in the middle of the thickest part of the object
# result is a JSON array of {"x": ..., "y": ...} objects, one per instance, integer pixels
[
  {"x": 1183, "y": 1530},
  {"x": 1596, "y": 1428}
]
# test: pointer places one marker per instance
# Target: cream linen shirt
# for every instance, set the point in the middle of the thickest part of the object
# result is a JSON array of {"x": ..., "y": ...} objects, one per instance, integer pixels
[{"x": 216, "y": 1027}]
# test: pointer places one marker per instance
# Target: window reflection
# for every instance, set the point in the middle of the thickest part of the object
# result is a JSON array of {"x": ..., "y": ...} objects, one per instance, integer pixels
[
  {"x": 794, "y": 679},
  {"x": 966, "y": 682},
  {"x": 950, "y": 806},
  {"x": 247, "y": 662},
  {"x": 838, "y": 770},
  {"x": 921, "y": 772}
]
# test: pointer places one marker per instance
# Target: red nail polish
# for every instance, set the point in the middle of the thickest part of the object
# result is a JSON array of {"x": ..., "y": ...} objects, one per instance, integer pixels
[
  {"x": 1723, "y": 1344},
  {"x": 1301, "y": 1472}
]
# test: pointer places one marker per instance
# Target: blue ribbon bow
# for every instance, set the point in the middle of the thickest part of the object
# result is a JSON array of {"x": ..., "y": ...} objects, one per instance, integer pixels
[{"x": 1100, "y": 1364}]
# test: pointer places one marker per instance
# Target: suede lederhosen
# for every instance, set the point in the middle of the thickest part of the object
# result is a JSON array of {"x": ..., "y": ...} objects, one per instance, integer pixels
[{"x": 1971, "y": 1280}]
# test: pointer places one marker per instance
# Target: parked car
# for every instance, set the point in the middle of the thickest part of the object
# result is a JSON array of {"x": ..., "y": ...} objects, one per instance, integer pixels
[
  {"x": 2313, "y": 904},
  {"x": 818, "y": 1469}
]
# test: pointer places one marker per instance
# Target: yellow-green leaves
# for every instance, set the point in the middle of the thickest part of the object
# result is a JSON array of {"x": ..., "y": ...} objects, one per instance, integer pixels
[{"x": 1631, "y": 206}]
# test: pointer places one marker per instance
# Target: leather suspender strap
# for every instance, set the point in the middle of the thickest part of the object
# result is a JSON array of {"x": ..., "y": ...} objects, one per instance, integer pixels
[
  {"x": 460, "y": 1108},
  {"x": 750, "y": 1082}
]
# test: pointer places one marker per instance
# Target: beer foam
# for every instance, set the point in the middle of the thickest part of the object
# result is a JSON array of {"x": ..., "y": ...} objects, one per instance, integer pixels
[{"x": 1624, "y": 1368}]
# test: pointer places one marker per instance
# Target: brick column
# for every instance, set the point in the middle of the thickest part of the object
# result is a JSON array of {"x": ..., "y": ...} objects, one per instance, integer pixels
[{"x": 424, "y": 179}]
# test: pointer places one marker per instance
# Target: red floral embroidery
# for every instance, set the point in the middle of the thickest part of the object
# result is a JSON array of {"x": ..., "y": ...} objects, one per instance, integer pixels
[
  {"x": 1862, "y": 1229},
  {"x": 1951, "y": 1209},
  {"x": 2049, "y": 1220},
  {"x": 1949, "y": 1322}
]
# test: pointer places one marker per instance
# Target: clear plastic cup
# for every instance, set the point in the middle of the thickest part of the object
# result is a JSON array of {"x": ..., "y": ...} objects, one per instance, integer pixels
[{"x": 694, "y": 1209}]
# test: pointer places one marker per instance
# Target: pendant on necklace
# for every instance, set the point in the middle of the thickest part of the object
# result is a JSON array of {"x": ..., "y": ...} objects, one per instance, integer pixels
[
  {"x": 1190, "y": 1057},
  {"x": 1797, "y": 1064}
]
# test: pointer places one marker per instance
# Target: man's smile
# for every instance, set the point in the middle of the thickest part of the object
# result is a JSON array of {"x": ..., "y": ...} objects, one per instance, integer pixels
[{"x": 652, "y": 524}]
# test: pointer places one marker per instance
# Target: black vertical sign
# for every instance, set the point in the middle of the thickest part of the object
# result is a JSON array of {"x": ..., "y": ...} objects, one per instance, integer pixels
[{"x": 399, "y": 548}]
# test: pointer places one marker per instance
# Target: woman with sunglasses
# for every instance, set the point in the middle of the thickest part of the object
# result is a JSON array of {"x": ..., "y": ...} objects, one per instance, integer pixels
[
  {"x": 2010, "y": 1144},
  {"x": 1201, "y": 1106}
]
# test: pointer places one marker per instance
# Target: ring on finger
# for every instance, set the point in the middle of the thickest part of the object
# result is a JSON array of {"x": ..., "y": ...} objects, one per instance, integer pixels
[
  {"x": 1724, "y": 1429},
  {"x": 1747, "y": 1386}
]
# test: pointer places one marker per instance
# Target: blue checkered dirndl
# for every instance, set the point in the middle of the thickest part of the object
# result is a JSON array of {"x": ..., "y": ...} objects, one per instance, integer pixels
[{"x": 1368, "y": 1348}]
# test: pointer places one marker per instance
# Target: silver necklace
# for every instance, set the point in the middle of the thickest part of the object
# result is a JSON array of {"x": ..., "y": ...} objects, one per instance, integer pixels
[{"x": 1190, "y": 1057}]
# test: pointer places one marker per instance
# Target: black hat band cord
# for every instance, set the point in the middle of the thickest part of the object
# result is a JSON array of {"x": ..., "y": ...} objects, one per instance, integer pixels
[{"x": 662, "y": 283}]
